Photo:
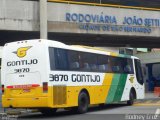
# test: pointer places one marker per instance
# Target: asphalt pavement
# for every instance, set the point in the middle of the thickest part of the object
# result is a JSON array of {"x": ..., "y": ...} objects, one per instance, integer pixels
[{"x": 109, "y": 112}]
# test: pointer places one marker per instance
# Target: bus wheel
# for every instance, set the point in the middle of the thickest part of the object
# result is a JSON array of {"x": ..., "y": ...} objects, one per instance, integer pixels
[
  {"x": 102, "y": 105},
  {"x": 131, "y": 99},
  {"x": 48, "y": 111},
  {"x": 83, "y": 102}
]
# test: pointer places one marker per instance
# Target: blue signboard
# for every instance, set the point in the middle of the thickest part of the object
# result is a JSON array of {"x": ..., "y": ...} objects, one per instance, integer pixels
[{"x": 101, "y": 22}]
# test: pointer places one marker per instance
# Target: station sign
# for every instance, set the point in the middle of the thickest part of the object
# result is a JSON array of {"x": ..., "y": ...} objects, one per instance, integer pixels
[{"x": 70, "y": 18}]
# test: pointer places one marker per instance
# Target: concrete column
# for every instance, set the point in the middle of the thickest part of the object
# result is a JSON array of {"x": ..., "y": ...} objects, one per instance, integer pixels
[
  {"x": 43, "y": 19},
  {"x": 134, "y": 51}
]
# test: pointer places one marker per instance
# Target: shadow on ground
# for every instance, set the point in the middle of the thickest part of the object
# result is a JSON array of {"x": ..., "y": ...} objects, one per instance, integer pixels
[{"x": 69, "y": 114}]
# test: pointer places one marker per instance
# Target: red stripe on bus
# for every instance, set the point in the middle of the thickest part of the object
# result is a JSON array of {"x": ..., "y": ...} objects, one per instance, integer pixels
[
  {"x": 9, "y": 86},
  {"x": 23, "y": 86}
]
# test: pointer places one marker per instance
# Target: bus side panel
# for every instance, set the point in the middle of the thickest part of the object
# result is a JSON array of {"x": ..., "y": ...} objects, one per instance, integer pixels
[
  {"x": 117, "y": 88},
  {"x": 110, "y": 91},
  {"x": 66, "y": 96},
  {"x": 129, "y": 84}
]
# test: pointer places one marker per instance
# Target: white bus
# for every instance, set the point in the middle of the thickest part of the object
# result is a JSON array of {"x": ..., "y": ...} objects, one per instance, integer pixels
[{"x": 48, "y": 75}]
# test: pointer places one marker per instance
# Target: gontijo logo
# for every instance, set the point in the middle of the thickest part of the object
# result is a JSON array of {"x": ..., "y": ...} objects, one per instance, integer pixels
[
  {"x": 131, "y": 79},
  {"x": 22, "y": 52}
]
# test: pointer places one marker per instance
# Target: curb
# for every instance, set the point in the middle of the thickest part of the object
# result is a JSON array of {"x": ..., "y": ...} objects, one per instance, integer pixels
[
  {"x": 153, "y": 99},
  {"x": 156, "y": 98},
  {"x": 13, "y": 112}
]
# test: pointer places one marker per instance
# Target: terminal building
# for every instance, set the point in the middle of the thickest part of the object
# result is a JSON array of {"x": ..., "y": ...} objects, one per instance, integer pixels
[{"x": 122, "y": 24}]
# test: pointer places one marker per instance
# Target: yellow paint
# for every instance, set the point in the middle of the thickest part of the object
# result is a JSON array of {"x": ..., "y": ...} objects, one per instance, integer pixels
[
  {"x": 57, "y": 96},
  {"x": 97, "y": 94},
  {"x": 36, "y": 98},
  {"x": 22, "y": 99},
  {"x": 143, "y": 104},
  {"x": 93, "y": 48},
  {"x": 104, "y": 5},
  {"x": 148, "y": 101},
  {"x": 108, "y": 79},
  {"x": 114, "y": 54}
]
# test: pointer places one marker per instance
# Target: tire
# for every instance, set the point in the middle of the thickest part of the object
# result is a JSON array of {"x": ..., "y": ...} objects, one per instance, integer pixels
[
  {"x": 102, "y": 105},
  {"x": 48, "y": 111},
  {"x": 131, "y": 99},
  {"x": 83, "y": 103}
]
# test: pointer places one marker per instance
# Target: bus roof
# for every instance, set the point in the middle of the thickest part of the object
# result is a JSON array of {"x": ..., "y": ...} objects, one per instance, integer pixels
[{"x": 53, "y": 43}]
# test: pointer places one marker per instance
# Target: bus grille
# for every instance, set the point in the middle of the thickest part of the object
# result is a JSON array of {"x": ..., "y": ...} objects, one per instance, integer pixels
[{"x": 59, "y": 95}]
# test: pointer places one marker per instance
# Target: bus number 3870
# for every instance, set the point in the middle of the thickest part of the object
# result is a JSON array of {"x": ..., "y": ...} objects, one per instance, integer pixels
[
  {"x": 22, "y": 70},
  {"x": 58, "y": 77}
]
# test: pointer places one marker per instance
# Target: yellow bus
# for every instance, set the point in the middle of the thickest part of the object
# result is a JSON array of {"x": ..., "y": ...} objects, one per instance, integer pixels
[{"x": 48, "y": 75}]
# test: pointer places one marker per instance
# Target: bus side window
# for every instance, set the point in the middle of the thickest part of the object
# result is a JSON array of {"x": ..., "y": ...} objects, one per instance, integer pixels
[
  {"x": 61, "y": 60},
  {"x": 102, "y": 67},
  {"x": 73, "y": 58},
  {"x": 103, "y": 63},
  {"x": 114, "y": 63},
  {"x": 121, "y": 65},
  {"x": 86, "y": 67},
  {"x": 127, "y": 69},
  {"x": 74, "y": 65},
  {"x": 116, "y": 69},
  {"x": 129, "y": 66},
  {"x": 88, "y": 61},
  {"x": 93, "y": 67}
]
